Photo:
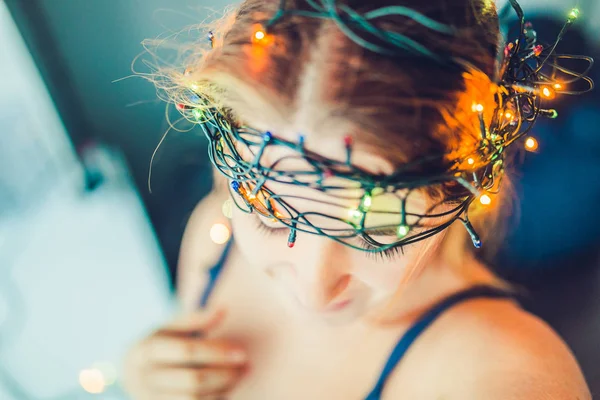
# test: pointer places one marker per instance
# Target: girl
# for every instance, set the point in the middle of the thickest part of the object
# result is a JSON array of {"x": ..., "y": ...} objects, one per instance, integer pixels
[{"x": 362, "y": 142}]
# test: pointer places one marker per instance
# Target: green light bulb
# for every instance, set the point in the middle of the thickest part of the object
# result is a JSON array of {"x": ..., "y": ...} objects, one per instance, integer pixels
[
  {"x": 574, "y": 14},
  {"x": 403, "y": 231},
  {"x": 553, "y": 114},
  {"x": 355, "y": 215},
  {"x": 366, "y": 202},
  {"x": 197, "y": 114}
]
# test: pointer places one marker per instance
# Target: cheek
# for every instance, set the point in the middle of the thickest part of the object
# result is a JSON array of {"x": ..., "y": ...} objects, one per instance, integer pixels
[
  {"x": 258, "y": 248},
  {"x": 386, "y": 274}
]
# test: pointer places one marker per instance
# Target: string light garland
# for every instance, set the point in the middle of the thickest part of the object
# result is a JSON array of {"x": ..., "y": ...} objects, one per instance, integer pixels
[{"x": 530, "y": 74}]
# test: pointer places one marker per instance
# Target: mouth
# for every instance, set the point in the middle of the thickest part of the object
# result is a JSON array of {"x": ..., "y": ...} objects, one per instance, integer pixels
[{"x": 338, "y": 306}]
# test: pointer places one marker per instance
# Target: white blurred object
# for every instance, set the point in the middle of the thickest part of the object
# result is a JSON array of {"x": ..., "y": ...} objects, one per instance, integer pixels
[
  {"x": 81, "y": 274},
  {"x": 35, "y": 152},
  {"x": 92, "y": 280}
]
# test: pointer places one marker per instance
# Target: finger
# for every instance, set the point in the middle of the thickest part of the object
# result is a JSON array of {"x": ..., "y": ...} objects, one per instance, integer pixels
[
  {"x": 198, "y": 381},
  {"x": 191, "y": 351},
  {"x": 202, "y": 320}
]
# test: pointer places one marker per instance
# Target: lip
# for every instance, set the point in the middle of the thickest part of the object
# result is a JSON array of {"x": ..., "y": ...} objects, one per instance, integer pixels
[{"x": 338, "y": 306}]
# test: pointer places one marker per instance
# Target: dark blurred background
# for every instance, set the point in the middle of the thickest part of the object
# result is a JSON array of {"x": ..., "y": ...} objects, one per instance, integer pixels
[{"x": 65, "y": 57}]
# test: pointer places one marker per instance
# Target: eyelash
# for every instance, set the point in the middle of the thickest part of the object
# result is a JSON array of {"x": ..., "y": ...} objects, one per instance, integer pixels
[
  {"x": 268, "y": 230},
  {"x": 385, "y": 255}
]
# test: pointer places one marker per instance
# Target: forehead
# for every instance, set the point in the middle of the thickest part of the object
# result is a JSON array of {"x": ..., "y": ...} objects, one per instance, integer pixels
[
  {"x": 329, "y": 141},
  {"x": 380, "y": 145},
  {"x": 346, "y": 198}
]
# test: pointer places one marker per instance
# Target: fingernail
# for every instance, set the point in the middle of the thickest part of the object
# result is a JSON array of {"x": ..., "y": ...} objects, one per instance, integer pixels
[{"x": 237, "y": 355}]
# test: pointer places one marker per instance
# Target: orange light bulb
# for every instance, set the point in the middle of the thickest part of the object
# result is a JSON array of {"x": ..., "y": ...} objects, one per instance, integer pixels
[
  {"x": 259, "y": 34},
  {"x": 477, "y": 107},
  {"x": 548, "y": 93},
  {"x": 531, "y": 144}
]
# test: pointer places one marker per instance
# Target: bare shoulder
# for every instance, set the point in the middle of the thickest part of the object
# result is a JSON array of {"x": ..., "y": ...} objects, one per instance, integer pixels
[{"x": 493, "y": 349}]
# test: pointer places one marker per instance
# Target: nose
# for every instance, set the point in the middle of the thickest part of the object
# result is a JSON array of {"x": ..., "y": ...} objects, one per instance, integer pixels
[{"x": 322, "y": 271}]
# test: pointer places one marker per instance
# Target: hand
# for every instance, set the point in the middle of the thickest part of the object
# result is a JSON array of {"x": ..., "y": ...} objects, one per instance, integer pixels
[{"x": 179, "y": 362}]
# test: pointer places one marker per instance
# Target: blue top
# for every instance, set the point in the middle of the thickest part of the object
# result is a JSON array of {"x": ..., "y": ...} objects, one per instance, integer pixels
[{"x": 480, "y": 291}]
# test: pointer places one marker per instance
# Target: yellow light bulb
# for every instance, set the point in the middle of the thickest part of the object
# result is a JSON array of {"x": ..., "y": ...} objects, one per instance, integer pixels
[
  {"x": 485, "y": 199},
  {"x": 531, "y": 144},
  {"x": 557, "y": 86},
  {"x": 508, "y": 115},
  {"x": 219, "y": 233},
  {"x": 471, "y": 161}
]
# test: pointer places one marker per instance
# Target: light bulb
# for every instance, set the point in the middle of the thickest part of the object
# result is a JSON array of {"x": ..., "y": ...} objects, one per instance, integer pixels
[
  {"x": 531, "y": 144},
  {"x": 548, "y": 92},
  {"x": 259, "y": 35},
  {"x": 355, "y": 214},
  {"x": 574, "y": 14},
  {"x": 197, "y": 114},
  {"x": 219, "y": 233},
  {"x": 366, "y": 202},
  {"x": 477, "y": 107},
  {"x": 471, "y": 161},
  {"x": 485, "y": 199},
  {"x": 402, "y": 231}
]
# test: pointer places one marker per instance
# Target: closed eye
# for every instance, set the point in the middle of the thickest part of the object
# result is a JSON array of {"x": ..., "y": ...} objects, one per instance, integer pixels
[{"x": 276, "y": 228}]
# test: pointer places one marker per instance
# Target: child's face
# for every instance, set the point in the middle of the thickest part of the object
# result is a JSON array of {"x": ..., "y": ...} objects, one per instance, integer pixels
[{"x": 319, "y": 274}]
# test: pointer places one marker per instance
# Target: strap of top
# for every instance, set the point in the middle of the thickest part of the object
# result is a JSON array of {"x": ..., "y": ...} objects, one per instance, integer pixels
[
  {"x": 213, "y": 274},
  {"x": 424, "y": 321}
]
